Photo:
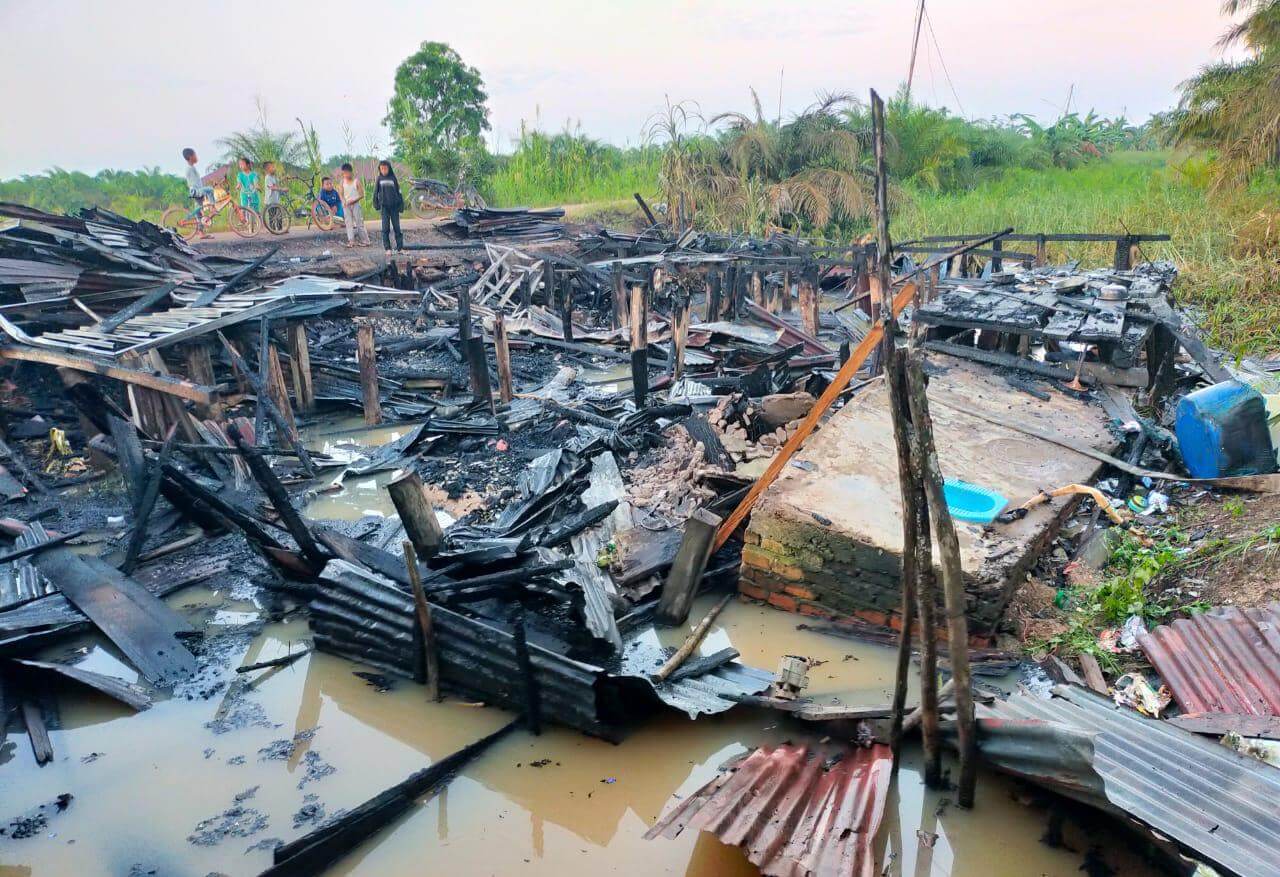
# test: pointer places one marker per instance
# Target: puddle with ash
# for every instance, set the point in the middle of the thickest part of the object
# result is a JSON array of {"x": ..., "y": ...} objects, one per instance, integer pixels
[{"x": 240, "y": 771}]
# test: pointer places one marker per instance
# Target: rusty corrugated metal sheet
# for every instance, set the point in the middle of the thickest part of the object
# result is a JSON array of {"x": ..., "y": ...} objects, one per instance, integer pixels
[
  {"x": 796, "y": 810},
  {"x": 1226, "y": 660},
  {"x": 1210, "y": 799}
]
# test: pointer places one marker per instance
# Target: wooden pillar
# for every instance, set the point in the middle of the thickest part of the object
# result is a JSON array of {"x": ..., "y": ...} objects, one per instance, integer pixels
[
  {"x": 997, "y": 263},
  {"x": 503, "y": 352},
  {"x": 680, "y": 335},
  {"x": 713, "y": 295},
  {"x": 1122, "y": 259},
  {"x": 1042, "y": 250},
  {"x": 786, "y": 292},
  {"x": 478, "y": 360},
  {"x": 416, "y": 513},
  {"x": 280, "y": 395},
  {"x": 809, "y": 303},
  {"x": 426, "y": 627},
  {"x": 686, "y": 571},
  {"x": 200, "y": 364},
  {"x": 757, "y": 288},
  {"x": 639, "y": 346},
  {"x": 620, "y": 303},
  {"x": 368, "y": 360},
  {"x": 300, "y": 364},
  {"x": 464, "y": 320}
]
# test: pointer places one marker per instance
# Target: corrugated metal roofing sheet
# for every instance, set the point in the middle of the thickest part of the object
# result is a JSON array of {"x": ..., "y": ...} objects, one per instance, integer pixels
[
  {"x": 702, "y": 695},
  {"x": 1225, "y": 660},
  {"x": 1212, "y": 800},
  {"x": 796, "y": 811}
]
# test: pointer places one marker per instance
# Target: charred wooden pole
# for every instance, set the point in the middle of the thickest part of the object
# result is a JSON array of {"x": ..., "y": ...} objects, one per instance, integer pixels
[
  {"x": 900, "y": 415},
  {"x": 688, "y": 567},
  {"x": 416, "y": 513},
  {"x": 786, "y": 292},
  {"x": 926, "y": 606},
  {"x": 952, "y": 579},
  {"x": 464, "y": 321},
  {"x": 279, "y": 393},
  {"x": 259, "y": 387},
  {"x": 426, "y": 628},
  {"x": 713, "y": 295},
  {"x": 809, "y": 302},
  {"x": 696, "y": 636},
  {"x": 279, "y": 498},
  {"x": 146, "y": 503},
  {"x": 502, "y": 352},
  {"x": 679, "y": 334},
  {"x": 368, "y": 360},
  {"x": 529, "y": 682},
  {"x": 757, "y": 289},
  {"x": 639, "y": 346},
  {"x": 300, "y": 365},
  {"x": 565, "y": 304},
  {"x": 620, "y": 303},
  {"x": 260, "y": 409},
  {"x": 478, "y": 360}
]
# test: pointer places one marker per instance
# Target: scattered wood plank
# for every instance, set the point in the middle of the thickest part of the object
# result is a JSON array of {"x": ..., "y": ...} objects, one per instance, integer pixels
[
  {"x": 314, "y": 852},
  {"x": 687, "y": 568},
  {"x": 172, "y": 386},
  {"x": 141, "y": 625},
  {"x": 127, "y": 693}
]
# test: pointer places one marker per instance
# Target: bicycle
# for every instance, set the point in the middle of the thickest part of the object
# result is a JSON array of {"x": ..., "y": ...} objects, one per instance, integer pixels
[
  {"x": 188, "y": 222},
  {"x": 429, "y": 197},
  {"x": 277, "y": 218}
]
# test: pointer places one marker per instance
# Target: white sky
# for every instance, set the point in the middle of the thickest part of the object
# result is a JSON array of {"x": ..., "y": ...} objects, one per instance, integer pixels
[{"x": 127, "y": 84}]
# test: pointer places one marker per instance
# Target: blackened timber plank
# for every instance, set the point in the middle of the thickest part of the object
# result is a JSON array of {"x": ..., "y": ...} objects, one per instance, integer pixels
[{"x": 141, "y": 625}]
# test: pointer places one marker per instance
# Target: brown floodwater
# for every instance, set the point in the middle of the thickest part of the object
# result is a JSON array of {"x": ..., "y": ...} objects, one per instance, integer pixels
[{"x": 143, "y": 783}]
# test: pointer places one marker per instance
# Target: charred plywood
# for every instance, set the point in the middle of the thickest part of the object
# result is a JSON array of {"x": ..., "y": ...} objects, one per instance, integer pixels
[
  {"x": 826, "y": 538},
  {"x": 796, "y": 810}
]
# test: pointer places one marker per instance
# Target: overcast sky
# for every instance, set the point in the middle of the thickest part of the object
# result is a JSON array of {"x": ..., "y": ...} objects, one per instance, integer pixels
[{"x": 127, "y": 84}]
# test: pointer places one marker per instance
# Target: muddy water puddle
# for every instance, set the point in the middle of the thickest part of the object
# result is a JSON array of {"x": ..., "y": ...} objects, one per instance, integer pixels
[{"x": 208, "y": 780}]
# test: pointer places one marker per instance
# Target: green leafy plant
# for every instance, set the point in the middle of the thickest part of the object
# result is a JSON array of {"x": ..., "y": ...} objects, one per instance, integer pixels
[{"x": 437, "y": 114}]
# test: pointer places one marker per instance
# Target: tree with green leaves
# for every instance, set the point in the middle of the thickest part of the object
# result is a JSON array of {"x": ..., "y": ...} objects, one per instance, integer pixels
[
  {"x": 1233, "y": 107},
  {"x": 437, "y": 115}
]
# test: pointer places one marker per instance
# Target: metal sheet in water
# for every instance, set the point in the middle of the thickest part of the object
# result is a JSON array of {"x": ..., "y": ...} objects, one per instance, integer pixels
[
  {"x": 1212, "y": 800},
  {"x": 796, "y": 810},
  {"x": 1226, "y": 660}
]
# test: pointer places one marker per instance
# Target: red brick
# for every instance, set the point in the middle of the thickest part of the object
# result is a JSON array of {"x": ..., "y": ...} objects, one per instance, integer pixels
[
  {"x": 800, "y": 591},
  {"x": 754, "y": 592},
  {"x": 787, "y": 571},
  {"x": 783, "y": 601},
  {"x": 815, "y": 609}
]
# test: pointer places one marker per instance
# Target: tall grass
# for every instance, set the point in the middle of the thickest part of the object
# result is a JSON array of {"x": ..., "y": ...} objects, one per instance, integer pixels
[
  {"x": 570, "y": 168},
  {"x": 142, "y": 194},
  {"x": 1223, "y": 244}
]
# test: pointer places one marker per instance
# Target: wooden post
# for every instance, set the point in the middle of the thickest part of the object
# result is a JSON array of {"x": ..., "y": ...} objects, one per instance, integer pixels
[
  {"x": 620, "y": 303},
  {"x": 416, "y": 513},
  {"x": 786, "y": 292},
  {"x": 533, "y": 699},
  {"x": 809, "y": 306},
  {"x": 687, "y": 569},
  {"x": 1042, "y": 250},
  {"x": 430, "y": 656},
  {"x": 503, "y": 353},
  {"x": 566, "y": 306},
  {"x": 757, "y": 288},
  {"x": 279, "y": 497},
  {"x": 464, "y": 320},
  {"x": 997, "y": 263},
  {"x": 680, "y": 335},
  {"x": 1123, "y": 243},
  {"x": 531, "y": 281},
  {"x": 952, "y": 579},
  {"x": 200, "y": 364},
  {"x": 300, "y": 363},
  {"x": 478, "y": 358},
  {"x": 368, "y": 360},
  {"x": 280, "y": 395},
  {"x": 713, "y": 295},
  {"x": 639, "y": 346}
]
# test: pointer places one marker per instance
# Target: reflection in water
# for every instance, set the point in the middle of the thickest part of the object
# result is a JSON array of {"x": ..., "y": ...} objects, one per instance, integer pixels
[{"x": 531, "y": 805}]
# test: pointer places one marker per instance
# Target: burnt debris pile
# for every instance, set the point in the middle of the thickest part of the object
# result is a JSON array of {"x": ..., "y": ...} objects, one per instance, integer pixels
[{"x": 581, "y": 439}]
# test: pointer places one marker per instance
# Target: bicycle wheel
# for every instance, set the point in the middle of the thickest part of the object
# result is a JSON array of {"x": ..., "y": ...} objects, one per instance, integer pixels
[
  {"x": 425, "y": 205},
  {"x": 244, "y": 221},
  {"x": 322, "y": 215},
  {"x": 276, "y": 219},
  {"x": 180, "y": 221}
]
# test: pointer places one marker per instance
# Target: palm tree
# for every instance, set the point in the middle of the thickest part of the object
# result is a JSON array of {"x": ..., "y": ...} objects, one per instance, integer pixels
[
  {"x": 757, "y": 175},
  {"x": 1234, "y": 107}
]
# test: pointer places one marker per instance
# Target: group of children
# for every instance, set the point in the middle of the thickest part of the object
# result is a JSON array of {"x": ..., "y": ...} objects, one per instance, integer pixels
[{"x": 344, "y": 198}]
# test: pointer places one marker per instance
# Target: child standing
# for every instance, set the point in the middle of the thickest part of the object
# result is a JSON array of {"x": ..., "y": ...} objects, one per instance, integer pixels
[
  {"x": 389, "y": 202},
  {"x": 271, "y": 187},
  {"x": 352, "y": 192},
  {"x": 248, "y": 182},
  {"x": 200, "y": 193}
]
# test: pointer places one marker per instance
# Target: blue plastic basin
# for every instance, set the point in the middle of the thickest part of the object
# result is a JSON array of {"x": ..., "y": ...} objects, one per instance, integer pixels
[{"x": 970, "y": 502}]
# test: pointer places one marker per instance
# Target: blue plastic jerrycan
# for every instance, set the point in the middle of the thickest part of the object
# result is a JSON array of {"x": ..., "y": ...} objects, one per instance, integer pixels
[{"x": 1222, "y": 431}]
